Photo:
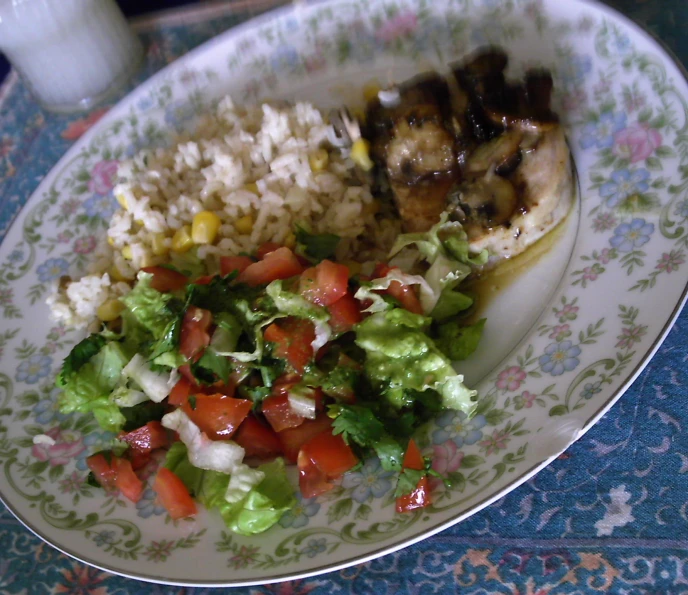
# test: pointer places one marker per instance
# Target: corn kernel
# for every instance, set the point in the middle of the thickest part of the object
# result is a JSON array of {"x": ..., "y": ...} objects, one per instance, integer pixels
[
  {"x": 181, "y": 241},
  {"x": 354, "y": 267},
  {"x": 252, "y": 187},
  {"x": 370, "y": 90},
  {"x": 110, "y": 310},
  {"x": 360, "y": 154},
  {"x": 111, "y": 241},
  {"x": 122, "y": 200},
  {"x": 290, "y": 240},
  {"x": 159, "y": 245},
  {"x": 318, "y": 160},
  {"x": 127, "y": 253},
  {"x": 205, "y": 227},
  {"x": 115, "y": 274},
  {"x": 147, "y": 261},
  {"x": 138, "y": 222},
  {"x": 244, "y": 225}
]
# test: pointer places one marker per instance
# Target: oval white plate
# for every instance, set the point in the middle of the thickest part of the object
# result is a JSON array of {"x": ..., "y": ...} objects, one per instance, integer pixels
[{"x": 563, "y": 341}]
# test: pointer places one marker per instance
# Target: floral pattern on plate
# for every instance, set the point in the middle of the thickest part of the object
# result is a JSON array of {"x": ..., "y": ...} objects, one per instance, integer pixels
[{"x": 627, "y": 115}]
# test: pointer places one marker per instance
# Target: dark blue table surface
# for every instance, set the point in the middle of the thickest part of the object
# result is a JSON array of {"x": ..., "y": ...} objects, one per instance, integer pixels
[{"x": 535, "y": 541}]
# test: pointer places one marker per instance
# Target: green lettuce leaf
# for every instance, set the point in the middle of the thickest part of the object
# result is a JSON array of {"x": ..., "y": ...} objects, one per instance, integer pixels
[
  {"x": 402, "y": 357},
  {"x": 80, "y": 354},
  {"x": 458, "y": 342},
  {"x": 315, "y": 246},
  {"x": 445, "y": 247},
  {"x": 150, "y": 307},
  {"x": 256, "y": 512},
  {"x": 450, "y": 303},
  {"x": 264, "y": 505},
  {"x": 87, "y": 389}
]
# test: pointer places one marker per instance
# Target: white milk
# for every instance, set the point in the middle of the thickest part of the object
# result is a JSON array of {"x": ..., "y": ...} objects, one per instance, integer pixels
[{"x": 71, "y": 53}]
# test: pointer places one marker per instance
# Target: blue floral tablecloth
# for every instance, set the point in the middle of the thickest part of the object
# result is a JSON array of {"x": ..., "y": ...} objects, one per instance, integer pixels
[{"x": 610, "y": 516}]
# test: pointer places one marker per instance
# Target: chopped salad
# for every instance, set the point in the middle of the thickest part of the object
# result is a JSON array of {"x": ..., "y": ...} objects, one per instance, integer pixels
[{"x": 278, "y": 358}]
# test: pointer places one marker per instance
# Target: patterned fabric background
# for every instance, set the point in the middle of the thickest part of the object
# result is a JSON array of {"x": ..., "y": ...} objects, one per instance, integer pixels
[{"x": 610, "y": 516}]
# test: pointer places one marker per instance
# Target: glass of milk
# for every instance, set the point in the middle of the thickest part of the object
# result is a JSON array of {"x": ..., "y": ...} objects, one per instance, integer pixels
[{"x": 70, "y": 53}]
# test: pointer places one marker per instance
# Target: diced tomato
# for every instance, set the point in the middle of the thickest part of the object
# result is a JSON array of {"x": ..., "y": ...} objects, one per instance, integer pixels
[
  {"x": 322, "y": 459},
  {"x": 404, "y": 294},
  {"x": 278, "y": 264},
  {"x": 257, "y": 439},
  {"x": 324, "y": 284},
  {"x": 127, "y": 482},
  {"x": 266, "y": 248},
  {"x": 229, "y": 264},
  {"x": 330, "y": 453},
  {"x": 279, "y": 413},
  {"x": 165, "y": 279},
  {"x": 276, "y": 334},
  {"x": 147, "y": 438},
  {"x": 138, "y": 459},
  {"x": 173, "y": 495},
  {"x": 293, "y": 338},
  {"x": 277, "y": 408},
  {"x": 102, "y": 470},
  {"x": 181, "y": 391},
  {"x": 413, "y": 459},
  {"x": 204, "y": 280},
  {"x": 194, "y": 336},
  {"x": 344, "y": 314},
  {"x": 312, "y": 481},
  {"x": 217, "y": 415},
  {"x": 420, "y": 497},
  {"x": 293, "y": 438}
]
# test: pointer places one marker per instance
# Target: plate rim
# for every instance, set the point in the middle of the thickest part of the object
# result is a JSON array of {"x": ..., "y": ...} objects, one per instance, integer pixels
[{"x": 255, "y": 21}]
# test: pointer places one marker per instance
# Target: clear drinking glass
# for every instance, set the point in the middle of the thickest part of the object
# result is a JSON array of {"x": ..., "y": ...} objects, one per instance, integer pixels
[{"x": 70, "y": 53}]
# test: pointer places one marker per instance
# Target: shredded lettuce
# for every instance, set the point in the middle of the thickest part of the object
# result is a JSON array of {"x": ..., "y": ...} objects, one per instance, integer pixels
[
  {"x": 368, "y": 289},
  {"x": 400, "y": 356},
  {"x": 292, "y": 304},
  {"x": 156, "y": 385},
  {"x": 148, "y": 306},
  {"x": 213, "y": 455},
  {"x": 445, "y": 247},
  {"x": 87, "y": 388},
  {"x": 250, "y": 501},
  {"x": 264, "y": 505}
]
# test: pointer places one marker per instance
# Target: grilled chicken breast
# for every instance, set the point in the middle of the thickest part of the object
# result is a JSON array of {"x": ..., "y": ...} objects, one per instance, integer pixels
[{"x": 489, "y": 150}]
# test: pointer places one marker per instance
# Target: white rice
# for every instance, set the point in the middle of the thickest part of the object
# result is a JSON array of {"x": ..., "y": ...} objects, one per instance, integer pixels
[
  {"x": 217, "y": 169},
  {"x": 78, "y": 304}
]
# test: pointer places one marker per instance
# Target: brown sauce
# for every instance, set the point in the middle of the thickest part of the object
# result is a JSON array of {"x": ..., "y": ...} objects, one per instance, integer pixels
[{"x": 488, "y": 285}]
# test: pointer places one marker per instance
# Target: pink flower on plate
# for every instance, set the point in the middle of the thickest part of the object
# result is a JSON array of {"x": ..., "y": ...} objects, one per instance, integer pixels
[
  {"x": 447, "y": 457},
  {"x": 67, "y": 446},
  {"x": 527, "y": 398},
  {"x": 398, "y": 26},
  {"x": 559, "y": 329},
  {"x": 511, "y": 378},
  {"x": 605, "y": 256},
  {"x": 670, "y": 261},
  {"x": 637, "y": 142},
  {"x": 103, "y": 176},
  {"x": 84, "y": 245}
]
